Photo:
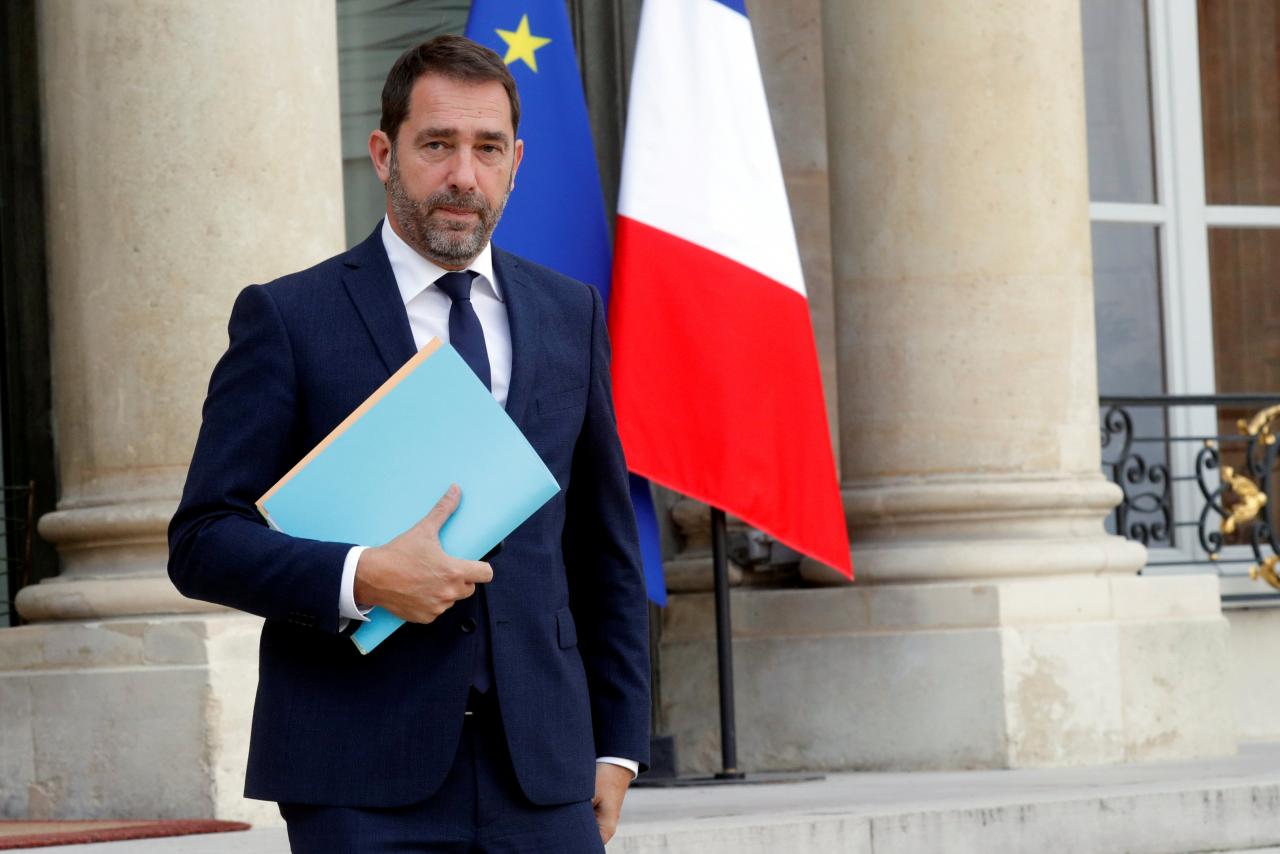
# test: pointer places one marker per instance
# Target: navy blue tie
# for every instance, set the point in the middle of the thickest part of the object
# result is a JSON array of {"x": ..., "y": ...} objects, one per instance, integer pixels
[
  {"x": 467, "y": 337},
  {"x": 465, "y": 332}
]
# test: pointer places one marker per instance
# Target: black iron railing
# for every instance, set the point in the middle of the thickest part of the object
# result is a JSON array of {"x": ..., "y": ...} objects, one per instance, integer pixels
[{"x": 1200, "y": 480}]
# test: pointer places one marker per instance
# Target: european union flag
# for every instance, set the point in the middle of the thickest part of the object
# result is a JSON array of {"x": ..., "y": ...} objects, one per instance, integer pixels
[{"x": 556, "y": 214}]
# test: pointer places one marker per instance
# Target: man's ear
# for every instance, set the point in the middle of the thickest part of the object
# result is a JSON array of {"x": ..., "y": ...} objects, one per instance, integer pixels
[
  {"x": 380, "y": 153},
  {"x": 515, "y": 166}
]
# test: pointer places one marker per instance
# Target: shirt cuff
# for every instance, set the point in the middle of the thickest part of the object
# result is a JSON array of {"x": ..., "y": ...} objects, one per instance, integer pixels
[
  {"x": 347, "y": 607},
  {"x": 630, "y": 764}
]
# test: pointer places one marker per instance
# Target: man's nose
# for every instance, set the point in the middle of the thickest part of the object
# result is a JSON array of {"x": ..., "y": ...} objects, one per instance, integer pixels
[{"x": 463, "y": 174}]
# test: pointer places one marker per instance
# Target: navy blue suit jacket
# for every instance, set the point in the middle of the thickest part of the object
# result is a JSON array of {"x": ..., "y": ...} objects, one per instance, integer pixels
[{"x": 566, "y": 606}]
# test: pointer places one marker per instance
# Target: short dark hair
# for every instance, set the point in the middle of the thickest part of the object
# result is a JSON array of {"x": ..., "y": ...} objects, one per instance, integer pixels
[{"x": 452, "y": 57}]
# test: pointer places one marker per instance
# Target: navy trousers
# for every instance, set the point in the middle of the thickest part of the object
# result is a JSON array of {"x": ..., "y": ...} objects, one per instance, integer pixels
[{"x": 479, "y": 808}]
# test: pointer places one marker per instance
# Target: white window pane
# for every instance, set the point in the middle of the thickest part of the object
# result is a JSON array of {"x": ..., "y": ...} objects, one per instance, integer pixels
[
  {"x": 1118, "y": 101},
  {"x": 1126, "y": 288},
  {"x": 1244, "y": 269},
  {"x": 1135, "y": 453},
  {"x": 1240, "y": 100}
]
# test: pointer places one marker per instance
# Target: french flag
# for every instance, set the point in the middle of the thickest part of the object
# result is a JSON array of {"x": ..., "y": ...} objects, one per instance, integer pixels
[{"x": 716, "y": 379}]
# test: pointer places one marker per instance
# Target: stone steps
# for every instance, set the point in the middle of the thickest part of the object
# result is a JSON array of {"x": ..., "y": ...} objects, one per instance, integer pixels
[
  {"x": 1228, "y": 806},
  {"x": 1218, "y": 805}
]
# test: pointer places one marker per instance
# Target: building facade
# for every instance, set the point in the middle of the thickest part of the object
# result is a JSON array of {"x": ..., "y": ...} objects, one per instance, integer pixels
[{"x": 1003, "y": 210}]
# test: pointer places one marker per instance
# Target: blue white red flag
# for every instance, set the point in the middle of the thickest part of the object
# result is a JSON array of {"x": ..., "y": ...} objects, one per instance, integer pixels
[
  {"x": 716, "y": 377},
  {"x": 556, "y": 214}
]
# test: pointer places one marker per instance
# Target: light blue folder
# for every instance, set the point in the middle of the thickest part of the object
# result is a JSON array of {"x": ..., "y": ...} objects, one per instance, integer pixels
[{"x": 382, "y": 469}]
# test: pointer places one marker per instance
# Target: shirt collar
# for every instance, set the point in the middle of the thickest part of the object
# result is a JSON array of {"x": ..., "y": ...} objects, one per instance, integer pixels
[{"x": 414, "y": 274}]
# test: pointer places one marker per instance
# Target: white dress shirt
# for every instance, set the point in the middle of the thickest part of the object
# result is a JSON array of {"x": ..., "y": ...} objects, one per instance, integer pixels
[{"x": 428, "y": 308}]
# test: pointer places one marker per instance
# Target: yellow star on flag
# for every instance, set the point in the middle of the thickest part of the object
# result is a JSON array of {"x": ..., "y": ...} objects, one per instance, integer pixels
[{"x": 521, "y": 44}]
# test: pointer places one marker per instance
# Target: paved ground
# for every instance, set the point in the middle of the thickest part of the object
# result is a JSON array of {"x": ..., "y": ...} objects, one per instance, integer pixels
[{"x": 1228, "y": 804}]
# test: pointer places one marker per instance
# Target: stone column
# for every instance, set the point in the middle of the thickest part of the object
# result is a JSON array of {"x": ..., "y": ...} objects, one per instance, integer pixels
[
  {"x": 191, "y": 148},
  {"x": 969, "y": 406},
  {"x": 994, "y": 622}
]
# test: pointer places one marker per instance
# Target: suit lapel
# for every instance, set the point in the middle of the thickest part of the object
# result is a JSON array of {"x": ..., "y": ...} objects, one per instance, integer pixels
[
  {"x": 522, "y": 300},
  {"x": 372, "y": 287}
]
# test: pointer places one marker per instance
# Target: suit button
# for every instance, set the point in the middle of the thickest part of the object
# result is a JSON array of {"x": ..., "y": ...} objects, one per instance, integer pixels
[{"x": 468, "y": 625}]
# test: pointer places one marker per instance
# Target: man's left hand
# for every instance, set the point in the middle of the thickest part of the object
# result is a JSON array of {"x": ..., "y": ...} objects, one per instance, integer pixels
[{"x": 611, "y": 787}]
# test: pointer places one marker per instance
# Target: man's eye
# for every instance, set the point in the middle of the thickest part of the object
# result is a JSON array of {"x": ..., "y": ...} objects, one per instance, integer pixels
[
  {"x": 435, "y": 146},
  {"x": 490, "y": 149}
]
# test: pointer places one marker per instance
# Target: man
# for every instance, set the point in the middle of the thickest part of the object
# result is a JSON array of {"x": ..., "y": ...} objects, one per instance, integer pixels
[{"x": 512, "y": 711}]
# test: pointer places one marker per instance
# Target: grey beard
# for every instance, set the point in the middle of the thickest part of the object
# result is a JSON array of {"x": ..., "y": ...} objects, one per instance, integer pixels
[{"x": 449, "y": 243}]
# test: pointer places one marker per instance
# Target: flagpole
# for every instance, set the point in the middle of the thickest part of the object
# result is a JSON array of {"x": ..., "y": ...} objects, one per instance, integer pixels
[
  {"x": 724, "y": 650},
  {"x": 729, "y": 774}
]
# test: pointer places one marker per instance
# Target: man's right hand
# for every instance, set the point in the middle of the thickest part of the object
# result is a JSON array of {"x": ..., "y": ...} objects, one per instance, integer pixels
[{"x": 412, "y": 577}]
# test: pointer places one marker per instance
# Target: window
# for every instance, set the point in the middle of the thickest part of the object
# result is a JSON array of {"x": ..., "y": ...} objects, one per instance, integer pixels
[
  {"x": 1183, "y": 105},
  {"x": 371, "y": 35}
]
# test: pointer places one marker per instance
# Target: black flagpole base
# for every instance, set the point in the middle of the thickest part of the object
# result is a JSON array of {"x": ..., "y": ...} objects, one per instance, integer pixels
[{"x": 644, "y": 781}]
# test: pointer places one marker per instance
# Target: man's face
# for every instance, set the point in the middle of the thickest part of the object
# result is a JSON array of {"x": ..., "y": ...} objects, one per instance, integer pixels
[{"x": 450, "y": 169}]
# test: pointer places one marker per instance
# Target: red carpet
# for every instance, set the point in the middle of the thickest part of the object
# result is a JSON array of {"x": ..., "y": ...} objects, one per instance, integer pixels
[{"x": 39, "y": 834}]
